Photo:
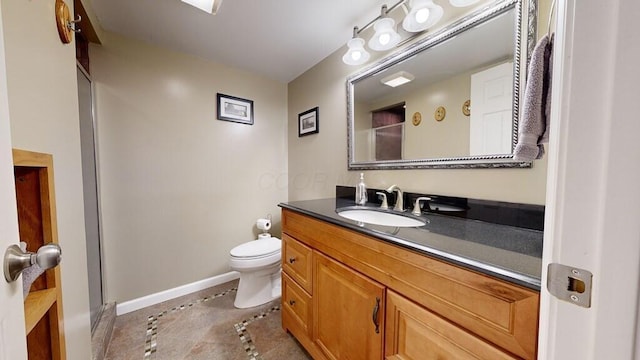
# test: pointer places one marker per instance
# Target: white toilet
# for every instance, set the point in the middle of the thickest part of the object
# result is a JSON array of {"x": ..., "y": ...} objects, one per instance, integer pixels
[{"x": 258, "y": 263}]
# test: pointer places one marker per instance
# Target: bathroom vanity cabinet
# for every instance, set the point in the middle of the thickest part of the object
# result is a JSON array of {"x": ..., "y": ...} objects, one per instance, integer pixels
[{"x": 348, "y": 295}]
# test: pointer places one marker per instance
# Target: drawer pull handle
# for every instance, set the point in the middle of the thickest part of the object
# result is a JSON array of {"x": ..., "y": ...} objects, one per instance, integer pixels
[
  {"x": 292, "y": 260},
  {"x": 292, "y": 302},
  {"x": 374, "y": 316}
]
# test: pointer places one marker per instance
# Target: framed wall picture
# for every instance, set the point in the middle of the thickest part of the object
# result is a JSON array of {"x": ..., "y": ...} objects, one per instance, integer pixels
[
  {"x": 231, "y": 108},
  {"x": 309, "y": 122}
]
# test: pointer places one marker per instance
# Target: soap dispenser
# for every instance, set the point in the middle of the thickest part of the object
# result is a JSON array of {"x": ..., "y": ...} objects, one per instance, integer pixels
[{"x": 361, "y": 191}]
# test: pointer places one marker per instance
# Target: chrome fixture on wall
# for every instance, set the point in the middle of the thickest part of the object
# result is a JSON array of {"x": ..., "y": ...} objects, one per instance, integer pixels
[{"x": 420, "y": 16}]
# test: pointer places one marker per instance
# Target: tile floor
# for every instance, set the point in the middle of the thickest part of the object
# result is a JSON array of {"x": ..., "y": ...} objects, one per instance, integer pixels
[{"x": 204, "y": 325}]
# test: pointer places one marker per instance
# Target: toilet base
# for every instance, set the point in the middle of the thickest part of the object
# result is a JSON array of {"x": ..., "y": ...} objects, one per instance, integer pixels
[{"x": 257, "y": 289}]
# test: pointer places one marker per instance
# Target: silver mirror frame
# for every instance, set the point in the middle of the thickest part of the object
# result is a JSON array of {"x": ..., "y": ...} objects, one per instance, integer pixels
[{"x": 465, "y": 23}]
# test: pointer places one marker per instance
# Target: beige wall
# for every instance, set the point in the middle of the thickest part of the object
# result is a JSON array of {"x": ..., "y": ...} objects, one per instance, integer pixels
[
  {"x": 180, "y": 188},
  {"x": 318, "y": 163},
  {"x": 43, "y": 109},
  {"x": 446, "y": 138}
]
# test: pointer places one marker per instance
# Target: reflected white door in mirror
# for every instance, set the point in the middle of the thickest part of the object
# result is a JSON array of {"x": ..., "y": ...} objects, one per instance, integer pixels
[{"x": 491, "y": 99}]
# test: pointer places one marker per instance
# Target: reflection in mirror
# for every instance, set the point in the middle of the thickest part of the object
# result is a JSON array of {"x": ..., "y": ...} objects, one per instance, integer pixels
[{"x": 455, "y": 99}]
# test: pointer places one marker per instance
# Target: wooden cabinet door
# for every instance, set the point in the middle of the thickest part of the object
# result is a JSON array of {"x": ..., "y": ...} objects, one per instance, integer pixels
[
  {"x": 415, "y": 333},
  {"x": 348, "y": 312}
]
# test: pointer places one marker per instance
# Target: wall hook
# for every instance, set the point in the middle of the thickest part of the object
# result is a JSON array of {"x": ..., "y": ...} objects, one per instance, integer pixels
[{"x": 71, "y": 24}]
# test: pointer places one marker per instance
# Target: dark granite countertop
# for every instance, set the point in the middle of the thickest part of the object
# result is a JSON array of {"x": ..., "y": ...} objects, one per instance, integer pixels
[{"x": 506, "y": 252}]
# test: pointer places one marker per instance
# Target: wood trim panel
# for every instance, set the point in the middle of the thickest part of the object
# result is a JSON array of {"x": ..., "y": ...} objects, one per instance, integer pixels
[
  {"x": 500, "y": 312},
  {"x": 38, "y": 346},
  {"x": 31, "y": 158},
  {"x": 38, "y": 302},
  {"x": 85, "y": 25},
  {"x": 29, "y": 206}
]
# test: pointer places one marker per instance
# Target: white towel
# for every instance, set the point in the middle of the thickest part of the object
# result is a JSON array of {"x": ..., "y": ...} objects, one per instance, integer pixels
[{"x": 533, "y": 130}]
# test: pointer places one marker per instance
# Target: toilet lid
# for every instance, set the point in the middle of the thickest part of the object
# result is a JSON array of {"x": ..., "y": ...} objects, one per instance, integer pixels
[{"x": 255, "y": 248}]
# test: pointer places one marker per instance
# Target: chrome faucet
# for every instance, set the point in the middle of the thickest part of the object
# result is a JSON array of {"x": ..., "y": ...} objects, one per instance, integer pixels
[
  {"x": 399, "y": 204},
  {"x": 384, "y": 204},
  {"x": 416, "y": 208}
]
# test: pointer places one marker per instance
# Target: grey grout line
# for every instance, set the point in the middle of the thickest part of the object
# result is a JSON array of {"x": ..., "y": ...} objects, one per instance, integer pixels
[
  {"x": 245, "y": 337},
  {"x": 150, "y": 346}
]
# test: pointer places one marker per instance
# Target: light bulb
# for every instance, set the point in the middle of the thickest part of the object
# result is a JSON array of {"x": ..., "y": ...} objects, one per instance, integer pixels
[
  {"x": 384, "y": 38},
  {"x": 422, "y": 15},
  {"x": 356, "y": 55}
]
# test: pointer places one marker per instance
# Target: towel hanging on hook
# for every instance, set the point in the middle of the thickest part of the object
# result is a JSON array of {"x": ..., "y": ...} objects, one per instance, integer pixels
[
  {"x": 533, "y": 131},
  {"x": 551, "y": 13}
]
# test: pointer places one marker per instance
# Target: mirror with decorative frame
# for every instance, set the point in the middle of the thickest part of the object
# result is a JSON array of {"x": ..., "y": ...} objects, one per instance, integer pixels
[{"x": 461, "y": 106}]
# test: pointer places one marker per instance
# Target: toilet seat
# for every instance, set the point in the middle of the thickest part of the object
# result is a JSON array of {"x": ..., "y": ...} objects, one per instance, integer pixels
[{"x": 257, "y": 249}]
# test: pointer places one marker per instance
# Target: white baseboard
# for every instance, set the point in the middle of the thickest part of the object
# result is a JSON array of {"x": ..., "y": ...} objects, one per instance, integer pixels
[{"x": 139, "y": 303}]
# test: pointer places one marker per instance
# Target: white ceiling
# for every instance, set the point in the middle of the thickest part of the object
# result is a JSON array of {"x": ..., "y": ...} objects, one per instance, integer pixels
[{"x": 279, "y": 39}]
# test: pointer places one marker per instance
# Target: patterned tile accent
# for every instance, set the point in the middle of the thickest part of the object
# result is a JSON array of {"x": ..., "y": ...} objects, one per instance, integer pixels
[
  {"x": 245, "y": 337},
  {"x": 152, "y": 322}
]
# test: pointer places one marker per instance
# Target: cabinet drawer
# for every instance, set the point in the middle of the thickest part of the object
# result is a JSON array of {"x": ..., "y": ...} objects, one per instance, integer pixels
[
  {"x": 296, "y": 305},
  {"x": 415, "y": 333},
  {"x": 296, "y": 262}
]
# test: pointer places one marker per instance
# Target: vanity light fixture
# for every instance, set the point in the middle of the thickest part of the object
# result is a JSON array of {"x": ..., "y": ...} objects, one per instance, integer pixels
[
  {"x": 357, "y": 54},
  {"x": 209, "y": 6},
  {"x": 423, "y": 15},
  {"x": 386, "y": 37},
  {"x": 397, "y": 79},
  {"x": 462, "y": 3}
]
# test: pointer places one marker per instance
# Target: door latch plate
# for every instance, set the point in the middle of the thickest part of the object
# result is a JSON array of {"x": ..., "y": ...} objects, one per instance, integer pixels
[{"x": 570, "y": 284}]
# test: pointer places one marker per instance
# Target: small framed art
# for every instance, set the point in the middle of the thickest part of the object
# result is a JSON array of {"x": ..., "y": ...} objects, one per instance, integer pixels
[
  {"x": 309, "y": 122},
  {"x": 231, "y": 108}
]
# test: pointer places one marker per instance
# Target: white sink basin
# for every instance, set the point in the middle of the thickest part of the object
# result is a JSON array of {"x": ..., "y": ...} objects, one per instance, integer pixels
[{"x": 381, "y": 217}]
